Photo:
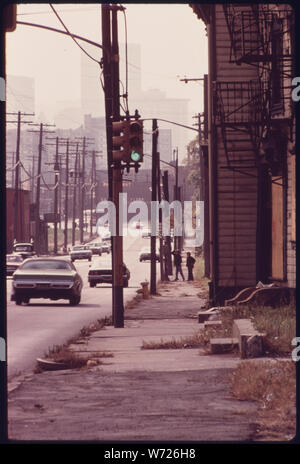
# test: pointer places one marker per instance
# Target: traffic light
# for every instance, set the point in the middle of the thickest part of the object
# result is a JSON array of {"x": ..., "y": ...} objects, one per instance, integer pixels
[
  {"x": 135, "y": 141},
  {"x": 127, "y": 141},
  {"x": 120, "y": 140}
]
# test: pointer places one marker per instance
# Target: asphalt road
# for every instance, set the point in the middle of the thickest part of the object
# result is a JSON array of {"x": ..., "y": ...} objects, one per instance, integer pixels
[{"x": 35, "y": 328}]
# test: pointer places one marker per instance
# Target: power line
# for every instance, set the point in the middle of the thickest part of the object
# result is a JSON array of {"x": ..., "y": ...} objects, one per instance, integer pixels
[{"x": 72, "y": 36}]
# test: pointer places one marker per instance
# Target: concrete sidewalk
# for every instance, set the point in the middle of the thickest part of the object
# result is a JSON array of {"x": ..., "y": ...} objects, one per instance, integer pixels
[{"x": 138, "y": 394}]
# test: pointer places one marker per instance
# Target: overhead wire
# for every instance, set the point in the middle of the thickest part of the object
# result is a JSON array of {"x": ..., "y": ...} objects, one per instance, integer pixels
[{"x": 72, "y": 36}]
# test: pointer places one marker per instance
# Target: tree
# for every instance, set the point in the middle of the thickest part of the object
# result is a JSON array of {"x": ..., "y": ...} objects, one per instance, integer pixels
[{"x": 192, "y": 161}]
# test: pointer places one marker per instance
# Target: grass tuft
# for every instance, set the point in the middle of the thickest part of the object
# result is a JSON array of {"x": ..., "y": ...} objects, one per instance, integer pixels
[{"x": 273, "y": 385}]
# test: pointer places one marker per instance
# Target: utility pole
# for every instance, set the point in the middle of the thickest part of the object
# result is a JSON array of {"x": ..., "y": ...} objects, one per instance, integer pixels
[
  {"x": 18, "y": 233},
  {"x": 82, "y": 187},
  {"x": 168, "y": 257},
  {"x": 66, "y": 198},
  {"x": 153, "y": 198},
  {"x": 161, "y": 246},
  {"x": 118, "y": 303},
  {"x": 74, "y": 194},
  {"x": 82, "y": 191},
  {"x": 93, "y": 172},
  {"x": 37, "y": 235},
  {"x": 176, "y": 192},
  {"x": 56, "y": 180}
]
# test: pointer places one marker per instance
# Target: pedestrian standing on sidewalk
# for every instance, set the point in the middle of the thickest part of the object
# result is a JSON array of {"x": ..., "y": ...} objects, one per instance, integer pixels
[
  {"x": 190, "y": 261},
  {"x": 177, "y": 263}
]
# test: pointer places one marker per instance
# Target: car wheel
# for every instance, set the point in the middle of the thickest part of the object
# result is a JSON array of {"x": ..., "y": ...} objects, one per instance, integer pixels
[
  {"x": 26, "y": 300},
  {"x": 74, "y": 300},
  {"x": 92, "y": 284},
  {"x": 72, "y": 260},
  {"x": 19, "y": 300},
  {"x": 90, "y": 259}
]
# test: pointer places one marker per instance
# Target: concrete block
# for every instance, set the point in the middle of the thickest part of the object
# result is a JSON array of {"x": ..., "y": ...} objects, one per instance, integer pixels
[
  {"x": 222, "y": 345},
  {"x": 249, "y": 339},
  {"x": 212, "y": 324}
]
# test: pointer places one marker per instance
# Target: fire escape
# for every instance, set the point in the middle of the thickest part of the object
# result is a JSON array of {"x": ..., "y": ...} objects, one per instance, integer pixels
[{"x": 248, "y": 112}]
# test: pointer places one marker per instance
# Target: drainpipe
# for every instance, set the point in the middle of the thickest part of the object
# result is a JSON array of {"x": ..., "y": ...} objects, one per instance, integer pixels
[{"x": 212, "y": 156}]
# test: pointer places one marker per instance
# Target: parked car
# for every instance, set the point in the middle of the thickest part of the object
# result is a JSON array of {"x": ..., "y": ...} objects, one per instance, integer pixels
[
  {"x": 46, "y": 278},
  {"x": 101, "y": 272},
  {"x": 12, "y": 263},
  {"x": 81, "y": 252},
  {"x": 145, "y": 255},
  {"x": 26, "y": 250},
  {"x": 105, "y": 247},
  {"x": 96, "y": 248}
]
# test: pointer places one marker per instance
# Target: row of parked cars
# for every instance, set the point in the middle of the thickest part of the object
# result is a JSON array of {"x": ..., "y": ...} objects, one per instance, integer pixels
[{"x": 88, "y": 250}]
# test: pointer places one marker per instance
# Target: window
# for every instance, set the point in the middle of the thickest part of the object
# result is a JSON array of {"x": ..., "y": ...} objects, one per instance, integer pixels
[{"x": 47, "y": 265}]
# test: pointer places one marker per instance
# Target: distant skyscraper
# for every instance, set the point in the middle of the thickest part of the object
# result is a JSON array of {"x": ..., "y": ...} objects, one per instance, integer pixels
[
  {"x": 150, "y": 104},
  {"x": 92, "y": 94}
]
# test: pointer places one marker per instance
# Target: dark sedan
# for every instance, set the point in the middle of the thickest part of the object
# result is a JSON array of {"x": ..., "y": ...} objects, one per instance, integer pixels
[
  {"x": 146, "y": 256},
  {"x": 12, "y": 263},
  {"x": 101, "y": 272},
  {"x": 47, "y": 278},
  {"x": 26, "y": 250}
]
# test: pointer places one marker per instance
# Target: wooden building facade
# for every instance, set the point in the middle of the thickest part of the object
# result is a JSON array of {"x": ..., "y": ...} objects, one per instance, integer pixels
[{"x": 251, "y": 146}]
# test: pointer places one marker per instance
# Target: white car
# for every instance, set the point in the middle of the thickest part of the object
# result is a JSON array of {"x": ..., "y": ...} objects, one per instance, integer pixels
[{"x": 81, "y": 252}]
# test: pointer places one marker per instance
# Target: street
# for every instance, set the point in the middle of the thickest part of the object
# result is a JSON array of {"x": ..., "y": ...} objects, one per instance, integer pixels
[{"x": 35, "y": 328}]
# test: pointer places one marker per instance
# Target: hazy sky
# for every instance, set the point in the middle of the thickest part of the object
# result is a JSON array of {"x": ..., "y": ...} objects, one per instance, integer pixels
[{"x": 173, "y": 44}]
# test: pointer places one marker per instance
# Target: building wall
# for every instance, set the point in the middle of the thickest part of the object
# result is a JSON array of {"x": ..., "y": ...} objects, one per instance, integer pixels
[
  {"x": 236, "y": 191},
  {"x": 242, "y": 206}
]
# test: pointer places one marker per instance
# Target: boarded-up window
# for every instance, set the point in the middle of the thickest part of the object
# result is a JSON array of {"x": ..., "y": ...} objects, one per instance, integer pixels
[
  {"x": 293, "y": 199},
  {"x": 277, "y": 229}
]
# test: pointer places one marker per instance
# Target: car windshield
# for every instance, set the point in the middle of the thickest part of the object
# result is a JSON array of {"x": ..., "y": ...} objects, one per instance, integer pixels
[
  {"x": 22, "y": 248},
  {"x": 47, "y": 265},
  {"x": 13, "y": 259}
]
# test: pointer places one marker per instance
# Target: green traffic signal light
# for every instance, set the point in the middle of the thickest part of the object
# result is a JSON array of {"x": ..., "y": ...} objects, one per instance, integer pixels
[{"x": 135, "y": 156}]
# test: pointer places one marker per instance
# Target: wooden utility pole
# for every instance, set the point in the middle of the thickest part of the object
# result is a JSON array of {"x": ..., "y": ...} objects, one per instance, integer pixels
[
  {"x": 66, "y": 198},
  {"x": 56, "y": 181},
  {"x": 168, "y": 257},
  {"x": 37, "y": 235},
  {"x": 175, "y": 151},
  {"x": 154, "y": 198},
  {"x": 93, "y": 176},
  {"x": 82, "y": 192},
  {"x": 17, "y": 216},
  {"x": 74, "y": 194},
  {"x": 161, "y": 241},
  {"x": 118, "y": 303}
]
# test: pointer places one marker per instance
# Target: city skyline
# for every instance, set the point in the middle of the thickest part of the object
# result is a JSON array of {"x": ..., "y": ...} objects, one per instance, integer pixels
[{"x": 164, "y": 56}]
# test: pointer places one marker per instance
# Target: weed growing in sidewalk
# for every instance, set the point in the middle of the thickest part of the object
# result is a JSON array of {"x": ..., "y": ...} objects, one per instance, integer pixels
[
  {"x": 72, "y": 358},
  {"x": 193, "y": 341},
  {"x": 273, "y": 385}
]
